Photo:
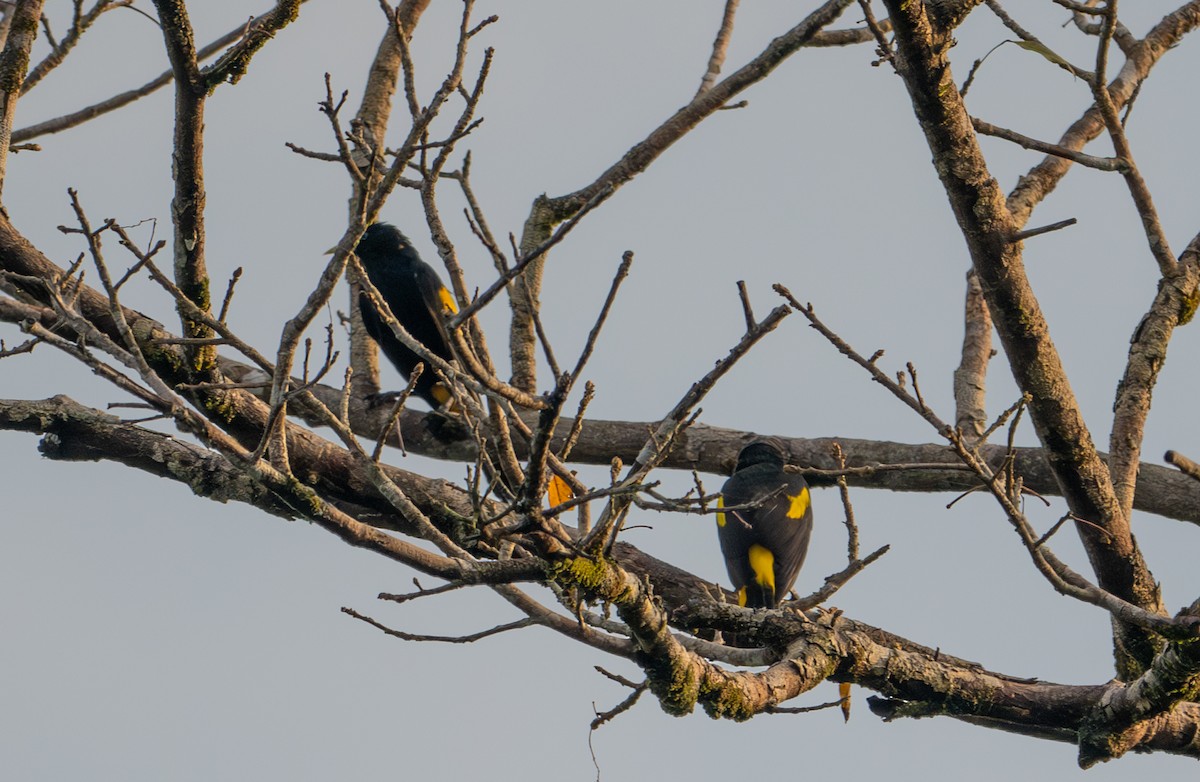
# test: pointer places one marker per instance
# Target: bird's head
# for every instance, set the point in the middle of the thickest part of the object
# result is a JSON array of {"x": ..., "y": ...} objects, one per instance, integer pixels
[
  {"x": 765, "y": 451},
  {"x": 381, "y": 240}
]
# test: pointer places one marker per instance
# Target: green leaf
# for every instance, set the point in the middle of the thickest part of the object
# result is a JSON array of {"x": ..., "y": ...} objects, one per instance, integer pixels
[{"x": 1045, "y": 51}]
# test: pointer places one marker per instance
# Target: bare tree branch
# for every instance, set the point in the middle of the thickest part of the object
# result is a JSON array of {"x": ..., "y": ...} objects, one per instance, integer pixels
[
  {"x": 1174, "y": 304},
  {"x": 720, "y": 47},
  {"x": 987, "y": 223},
  {"x": 970, "y": 379},
  {"x": 547, "y": 212},
  {"x": 241, "y": 434},
  {"x": 1040, "y": 181},
  {"x": 14, "y": 63},
  {"x": 60, "y": 49},
  {"x": 76, "y": 118}
]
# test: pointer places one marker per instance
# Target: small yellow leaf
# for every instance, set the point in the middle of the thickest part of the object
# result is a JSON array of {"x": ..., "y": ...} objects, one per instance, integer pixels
[{"x": 558, "y": 491}]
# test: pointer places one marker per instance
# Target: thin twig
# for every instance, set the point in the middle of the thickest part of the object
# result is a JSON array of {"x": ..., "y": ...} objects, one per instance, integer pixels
[
  {"x": 802, "y": 709},
  {"x": 421, "y": 592},
  {"x": 747, "y": 310},
  {"x": 594, "y": 334},
  {"x": 882, "y": 46},
  {"x": 625, "y": 705},
  {"x": 1021, "y": 236},
  {"x": 719, "y": 48},
  {"x": 520, "y": 624},
  {"x": 523, "y": 262},
  {"x": 1183, "y": 463},
  {"x": 658, "y": 445},
  {"x": 233, "y": 281},
  {"x": 844, "y": 491},
  {"x": 394, "y": 415},
  {"x": 1091, "y": 161},
  {"x": 868, "y": 364}
]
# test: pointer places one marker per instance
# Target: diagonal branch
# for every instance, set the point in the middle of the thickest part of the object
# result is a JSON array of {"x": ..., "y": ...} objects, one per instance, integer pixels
[
  {"x": 720, "y": 46},
  {"x": 82, "y": 22},
  {"x": 1138, "y": 189},
  {"x": 547, "y": 212},
  {"x": 1042, "y": 179},
  {"x": 1174, "y": 305},
  {"x": 987, "y": 225},
  {"x": 917, "y": 680},
  {"x": 76, "y": 118},
  {"x": 14, "y": 62},
  {"x": 231, "y": 66},
  {"x": 712, "y": 449}
]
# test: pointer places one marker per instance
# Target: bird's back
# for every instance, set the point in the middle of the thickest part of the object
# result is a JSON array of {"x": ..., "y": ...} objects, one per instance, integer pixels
[{"x": 780, "y": 522}]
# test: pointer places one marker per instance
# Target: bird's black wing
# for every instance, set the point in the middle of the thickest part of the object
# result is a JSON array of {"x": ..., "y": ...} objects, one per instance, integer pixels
[
  {"x": 400, "y": 287},
  {"x": 784, "y": 525},
  {"x": 439, "y": 303}
]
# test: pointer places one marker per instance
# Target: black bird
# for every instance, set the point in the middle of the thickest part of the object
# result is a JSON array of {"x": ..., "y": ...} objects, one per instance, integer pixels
[
  {"x": 764, "y": 544},
  {"x": 418, "y": 300}
]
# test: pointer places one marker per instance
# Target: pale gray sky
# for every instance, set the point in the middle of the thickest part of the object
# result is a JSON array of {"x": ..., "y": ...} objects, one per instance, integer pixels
[{"x": 152, "y": 635}]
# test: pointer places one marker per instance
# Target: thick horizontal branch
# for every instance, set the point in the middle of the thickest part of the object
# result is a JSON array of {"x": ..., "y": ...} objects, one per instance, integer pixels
[
  {"x": 74, "y": 432},
  {"x": 924, "y": 683},
  {"x": 918, "y": 680},
  {"x": 713, "y": 449}
]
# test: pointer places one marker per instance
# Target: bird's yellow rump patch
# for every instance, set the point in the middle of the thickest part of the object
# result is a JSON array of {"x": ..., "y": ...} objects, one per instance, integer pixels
[
  {"x": 447, "y": 301},
  {"x": 720, "y": 516},
  {"x": 799, "y": 504},
  {"x": 762, "y": 562}
]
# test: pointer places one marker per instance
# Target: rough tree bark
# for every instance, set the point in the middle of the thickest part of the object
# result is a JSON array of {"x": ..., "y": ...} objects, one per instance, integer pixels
[{"x": 247, "y": 419}]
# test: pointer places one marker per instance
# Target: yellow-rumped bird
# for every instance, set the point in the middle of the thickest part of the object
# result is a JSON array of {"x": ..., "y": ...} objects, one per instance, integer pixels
[
  {"x": 764, "y": 543},
  {"x": 415, "y": 294}
]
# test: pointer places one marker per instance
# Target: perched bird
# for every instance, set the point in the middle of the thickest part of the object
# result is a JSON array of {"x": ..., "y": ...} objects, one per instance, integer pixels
[
  {"x": 418, "y": 300},
  {"x": 764, "y": 544}
]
